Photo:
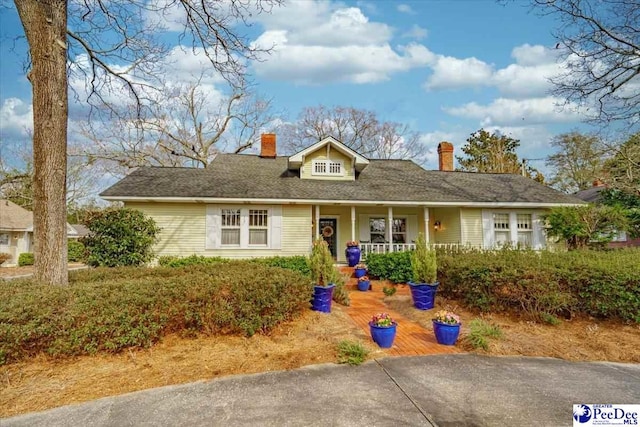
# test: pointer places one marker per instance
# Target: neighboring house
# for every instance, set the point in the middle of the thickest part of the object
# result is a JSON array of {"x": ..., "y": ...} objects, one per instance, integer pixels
[
  {"x": 16, "y": 231},
  {"x": 592, "y": 195},
  {"x": 263, "y": 205},
  {"x": 80, "y": 231}
]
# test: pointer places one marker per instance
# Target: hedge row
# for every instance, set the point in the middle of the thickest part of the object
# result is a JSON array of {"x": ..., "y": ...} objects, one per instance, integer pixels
[
  {"x": 112, "y": 309},
  {"x": 296, "y": 263},
  {"x": 604, "y": 284}
]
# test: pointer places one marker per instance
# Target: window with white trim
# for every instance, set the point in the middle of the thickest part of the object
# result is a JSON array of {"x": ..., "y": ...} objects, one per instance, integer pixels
[
  {"x": 525, "y": 230},
  {"x": 327, "y": 167},
  {"x": 502, "y": 233},
  {"x": 258, "y": 227},
  {"x": 230, "y": 227},
  {"x": 378, "y": 227}
]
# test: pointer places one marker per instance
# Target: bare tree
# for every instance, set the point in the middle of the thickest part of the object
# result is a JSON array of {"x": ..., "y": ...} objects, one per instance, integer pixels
[
  {"x": 600, "y": 42},
  {"x": 358, "y": 129},
  {"x": 623, "y": 169},
  {"x": 577, "y": 162},
  {"x": 187, "y": 126},
  {"x": 117, "y": 46}
]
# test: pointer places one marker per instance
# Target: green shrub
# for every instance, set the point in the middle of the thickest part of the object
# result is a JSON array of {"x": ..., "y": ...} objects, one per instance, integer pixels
[
  {"x": 394, "y": 266},
  {"x": 119, "y": 237},
  {"x": 351, "y": 352},
  {"x": 423, "y": 262},
  {"x": 389, "y": 291},
  {"x": 340, "y": 292},
  {"x": 479, "y": 332},
  {"x": 172, "y": 261},
  {"x": 543, "y": 284},
  {"x": 107, "y": 310},
  {"x": 25, "y": 258},
  {"x": 297, "y": 263},
  {"x": 75, "y": 251},
  {"x": 323, "y": 272}
]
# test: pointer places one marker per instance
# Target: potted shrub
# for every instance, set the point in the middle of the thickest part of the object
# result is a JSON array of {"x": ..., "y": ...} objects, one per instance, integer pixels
[
  {"x": 383, "y": 329},
  {"x": 446, "y": 327},
  {"x": 352, "y": 253},
  {"x": 364, "y": 283},
  {"x": 324, "y": 274},
  {"x": 424, "y": 268},
  {"x": 360, "y": 270}
]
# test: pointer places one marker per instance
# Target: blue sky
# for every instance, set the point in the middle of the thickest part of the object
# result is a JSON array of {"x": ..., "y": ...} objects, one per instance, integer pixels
[{"x": 446, "y": 68}]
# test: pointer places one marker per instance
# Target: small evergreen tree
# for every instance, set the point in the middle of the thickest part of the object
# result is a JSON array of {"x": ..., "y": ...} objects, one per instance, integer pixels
[
  {"x": 321, "y": 264},
  {"x": 119, "y": 237},
  {"x": 423, "y": 262}
]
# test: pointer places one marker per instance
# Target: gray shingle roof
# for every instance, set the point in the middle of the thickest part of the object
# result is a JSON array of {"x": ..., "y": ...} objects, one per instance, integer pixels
[
  {"x": 14, "y": 217},
  {"x": 252, "y": 177},
  {"x": 591, "y": 195}
]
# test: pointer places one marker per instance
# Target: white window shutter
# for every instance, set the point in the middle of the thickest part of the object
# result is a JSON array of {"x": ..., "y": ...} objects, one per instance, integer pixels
[
  {"x": 364, "y": 227},
  {"x": 539, "y": 237},
  {"x": 412, "y": 228},
  {"x": 487, "y": 229},
  {"x": 212, "y": 227},
  {"x": 276, "y": 227}
]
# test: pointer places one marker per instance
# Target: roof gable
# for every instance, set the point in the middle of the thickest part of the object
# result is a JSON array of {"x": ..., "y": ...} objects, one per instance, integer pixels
[
  {"x": 297, "y": 160},
  {"x": 14, "y": 217}
]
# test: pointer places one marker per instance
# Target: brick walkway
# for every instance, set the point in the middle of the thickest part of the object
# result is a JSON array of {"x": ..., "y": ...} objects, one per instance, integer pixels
[{"x": 411, "y": 338}]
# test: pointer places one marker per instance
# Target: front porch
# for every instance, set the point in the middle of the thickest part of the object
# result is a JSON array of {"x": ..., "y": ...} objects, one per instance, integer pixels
[{"x": 383, "y": 229}]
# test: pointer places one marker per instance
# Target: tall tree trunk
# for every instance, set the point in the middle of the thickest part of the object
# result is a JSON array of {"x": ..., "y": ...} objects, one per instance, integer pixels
[{"x": 45, "y": 25}]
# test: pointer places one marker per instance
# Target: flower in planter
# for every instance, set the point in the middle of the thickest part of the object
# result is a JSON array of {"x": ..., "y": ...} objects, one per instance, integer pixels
[
  {"x": 448, "y": 317},
  {"x": 383, "y": 320},
  {"x": 363, "y": 279},
  {"x": 361, "y": 266},
  {"x": 352, "y": 243}
]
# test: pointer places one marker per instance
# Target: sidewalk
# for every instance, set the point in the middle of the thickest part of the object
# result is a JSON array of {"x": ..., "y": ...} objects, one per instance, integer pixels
[{"x": 456, "y": 390}]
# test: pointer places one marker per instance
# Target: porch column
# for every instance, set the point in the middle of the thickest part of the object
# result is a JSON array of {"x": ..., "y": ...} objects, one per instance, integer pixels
[
  {"x": 353, "y": 223},
  {"x": 390, "y": 228},
  {"x": 317, "y": 231},
  {"x": 426, "y": 224}
]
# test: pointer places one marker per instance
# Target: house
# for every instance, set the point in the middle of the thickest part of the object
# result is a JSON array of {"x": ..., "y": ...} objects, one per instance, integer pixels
[
  {"x": 263, "y": 205},
  {"x": 592, "y": 195},
  {"x": 16, "y": 231}
]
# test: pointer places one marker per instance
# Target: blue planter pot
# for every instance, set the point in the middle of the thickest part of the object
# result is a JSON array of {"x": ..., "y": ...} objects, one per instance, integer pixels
[
  {"x": 363, "y": 285},
  {"x": 383, "y": 336},
  {"x": 322, "y": 296},
  {"x": 359, "y": 272},
  {"x": 446, "y": 334},
  {"x": 353, "y": 255},
  {"x": 423, "y": 294}
]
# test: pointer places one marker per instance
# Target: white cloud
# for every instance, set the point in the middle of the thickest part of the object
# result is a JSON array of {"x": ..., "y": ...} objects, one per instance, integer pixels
[
  {"x": 405, "y": 8},
  {"x": 322, "y": 42},
  {"x": 16, "y": 117},
  {"x": 527, "y": 77},
  {"x": 453, "y": 73},
  {"x": 503, "y": 111},
  {"x": 416, "y": 32}
]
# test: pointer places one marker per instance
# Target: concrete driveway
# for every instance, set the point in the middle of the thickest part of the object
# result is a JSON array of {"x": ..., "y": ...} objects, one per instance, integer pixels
[{"x": 446, "y": 390}]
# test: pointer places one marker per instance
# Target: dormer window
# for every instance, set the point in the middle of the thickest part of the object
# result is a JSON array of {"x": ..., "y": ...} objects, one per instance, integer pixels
[{"x": 327, "y": 167}]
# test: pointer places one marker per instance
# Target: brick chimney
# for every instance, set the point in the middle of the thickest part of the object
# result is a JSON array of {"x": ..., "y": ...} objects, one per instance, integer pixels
[
  {"x": 268, "y": 145},
  {"x": 445, "y": 156}
]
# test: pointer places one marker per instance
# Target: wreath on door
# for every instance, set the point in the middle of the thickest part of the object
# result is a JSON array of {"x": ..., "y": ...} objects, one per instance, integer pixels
[{"x": 327, "y": 231}]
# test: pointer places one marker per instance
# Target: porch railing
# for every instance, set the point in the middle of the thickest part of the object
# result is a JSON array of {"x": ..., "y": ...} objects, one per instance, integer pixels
[{"x": 383, "y": 248}]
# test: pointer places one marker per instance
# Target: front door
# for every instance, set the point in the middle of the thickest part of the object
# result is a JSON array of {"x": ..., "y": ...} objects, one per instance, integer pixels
[{"x": 329, "y": 232}]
